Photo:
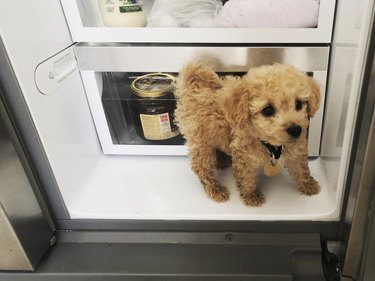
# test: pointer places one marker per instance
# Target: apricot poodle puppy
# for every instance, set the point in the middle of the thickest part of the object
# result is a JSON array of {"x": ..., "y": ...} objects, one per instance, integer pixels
[{"x": 259, "y": 120}]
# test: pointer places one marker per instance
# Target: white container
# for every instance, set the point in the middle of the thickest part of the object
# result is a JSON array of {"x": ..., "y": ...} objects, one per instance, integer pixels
[{"x": 122, "y": 13}]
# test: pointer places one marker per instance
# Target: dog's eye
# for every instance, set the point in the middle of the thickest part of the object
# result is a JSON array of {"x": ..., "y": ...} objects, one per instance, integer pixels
[
  {"x": 268, "y": 111},
  {"x": 298, "y": 105}
]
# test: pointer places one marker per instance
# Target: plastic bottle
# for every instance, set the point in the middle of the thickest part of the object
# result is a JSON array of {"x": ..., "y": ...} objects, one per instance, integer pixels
[{"x": 122, "y": 13}]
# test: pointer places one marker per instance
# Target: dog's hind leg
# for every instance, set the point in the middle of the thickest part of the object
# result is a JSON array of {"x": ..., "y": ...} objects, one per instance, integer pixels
[{"x": 202, "y": 163}]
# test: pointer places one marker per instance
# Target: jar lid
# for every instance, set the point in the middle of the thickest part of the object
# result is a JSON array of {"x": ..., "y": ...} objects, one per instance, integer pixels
[{"x": 153, "y": 85}]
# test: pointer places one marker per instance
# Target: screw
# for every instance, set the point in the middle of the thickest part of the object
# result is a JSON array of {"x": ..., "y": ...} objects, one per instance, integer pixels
[{"x": 228, "y": 237}]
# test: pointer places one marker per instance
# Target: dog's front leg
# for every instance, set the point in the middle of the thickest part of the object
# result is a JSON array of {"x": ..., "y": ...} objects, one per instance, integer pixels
[
  {"x": 300, "y": 173},
  {"x": 202, "y": 163},
  {"x": 244, "y": 171}
]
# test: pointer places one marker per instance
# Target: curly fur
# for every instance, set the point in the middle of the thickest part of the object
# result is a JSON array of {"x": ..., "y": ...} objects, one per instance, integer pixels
[{"x": 226, "y": 114}]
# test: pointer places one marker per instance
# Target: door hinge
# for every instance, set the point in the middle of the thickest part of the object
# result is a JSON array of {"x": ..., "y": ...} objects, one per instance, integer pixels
[{"x": 331, "y": 264}]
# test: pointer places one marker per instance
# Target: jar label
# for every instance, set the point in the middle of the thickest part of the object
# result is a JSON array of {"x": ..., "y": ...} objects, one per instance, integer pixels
[
  {"x": 130, "y": 9},
  {"x": 157, "y": 127},
  {"x": 129, "y": 6}
]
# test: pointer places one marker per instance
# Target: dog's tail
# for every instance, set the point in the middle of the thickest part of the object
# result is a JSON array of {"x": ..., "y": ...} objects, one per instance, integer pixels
[{"x": 195, "y": 76}]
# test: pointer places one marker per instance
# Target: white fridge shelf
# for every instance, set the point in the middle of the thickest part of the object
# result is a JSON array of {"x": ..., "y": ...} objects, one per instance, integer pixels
[
  {"x": 86, "y": 26},
  {"x": 171, "y": 191}
]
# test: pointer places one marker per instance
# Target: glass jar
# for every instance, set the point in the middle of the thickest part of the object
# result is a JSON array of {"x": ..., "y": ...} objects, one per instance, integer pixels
[{"x": 153, "y": 105}]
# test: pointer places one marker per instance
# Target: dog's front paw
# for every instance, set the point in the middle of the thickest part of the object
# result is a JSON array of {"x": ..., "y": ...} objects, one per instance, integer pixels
[
  {"x": 309, "y": 187},
  {"x": 218, "y": 193},
  {"x": 254, "y": 199}
]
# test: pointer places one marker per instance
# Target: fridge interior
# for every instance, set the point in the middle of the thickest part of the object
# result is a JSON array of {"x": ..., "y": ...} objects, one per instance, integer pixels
[
  {"x": 94, "y": 185},
  {"x": 140, "y": 179}
]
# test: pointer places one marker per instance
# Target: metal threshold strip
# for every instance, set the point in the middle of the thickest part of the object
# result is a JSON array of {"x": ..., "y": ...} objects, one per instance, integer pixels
[{"x": 179, "y": 256}]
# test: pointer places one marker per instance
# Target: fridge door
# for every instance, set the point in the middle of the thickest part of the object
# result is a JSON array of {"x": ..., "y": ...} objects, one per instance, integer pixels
[
  {"x": 359, "y": 221},
  {"x": 26, "y": 228}
]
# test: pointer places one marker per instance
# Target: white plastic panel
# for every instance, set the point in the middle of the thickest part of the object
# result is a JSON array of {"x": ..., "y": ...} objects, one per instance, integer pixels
[
  {"x": 81, "y": 33},
  {"x": 61, "y": 118}
]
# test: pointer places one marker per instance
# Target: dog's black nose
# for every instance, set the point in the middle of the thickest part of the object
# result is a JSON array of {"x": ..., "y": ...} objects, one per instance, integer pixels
[{"x": 294, "y": 131}]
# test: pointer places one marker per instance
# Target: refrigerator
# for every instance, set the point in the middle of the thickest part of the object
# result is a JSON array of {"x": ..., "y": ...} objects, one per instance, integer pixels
[{"x": 86, "y": 195}]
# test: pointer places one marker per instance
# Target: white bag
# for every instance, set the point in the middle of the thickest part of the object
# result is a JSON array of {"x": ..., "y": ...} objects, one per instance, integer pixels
[{"x": 184, "y": 13}]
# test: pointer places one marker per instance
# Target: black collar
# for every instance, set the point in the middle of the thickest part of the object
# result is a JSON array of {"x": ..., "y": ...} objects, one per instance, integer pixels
[{"x": 273, "y": 151}]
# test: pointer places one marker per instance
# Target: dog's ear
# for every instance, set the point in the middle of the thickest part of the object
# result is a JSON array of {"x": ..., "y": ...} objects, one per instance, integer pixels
[
  {"x": 236, "y": 103},
  {"x": 314, "y": 97}
]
